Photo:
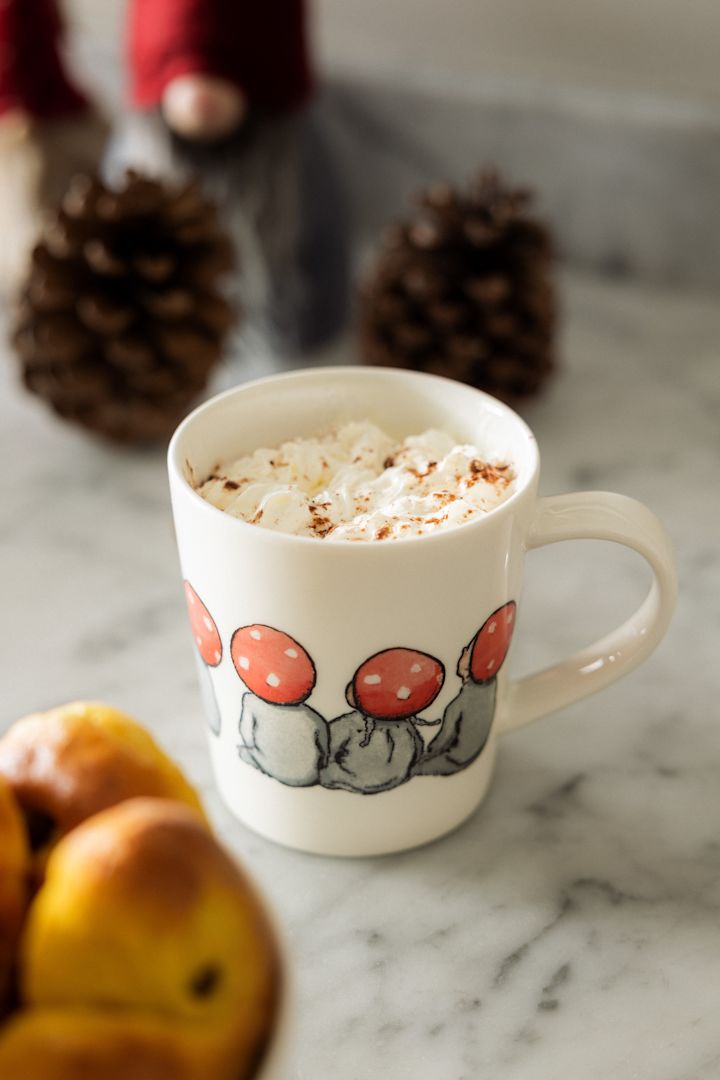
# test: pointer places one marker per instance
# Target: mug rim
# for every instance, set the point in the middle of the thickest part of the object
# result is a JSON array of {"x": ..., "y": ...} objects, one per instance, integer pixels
[{"x": 177, "y": 472}]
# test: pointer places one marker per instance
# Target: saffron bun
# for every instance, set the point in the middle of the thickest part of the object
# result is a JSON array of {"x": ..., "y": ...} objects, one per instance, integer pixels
[
  {"x": 14, "y": 888},
  {"x": 71, "y": 762},
  {"x": 145, "y": 952}
]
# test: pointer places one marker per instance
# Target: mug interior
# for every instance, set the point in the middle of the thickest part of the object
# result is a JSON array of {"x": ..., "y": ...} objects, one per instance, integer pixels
[{"x": 269, "y": 411}]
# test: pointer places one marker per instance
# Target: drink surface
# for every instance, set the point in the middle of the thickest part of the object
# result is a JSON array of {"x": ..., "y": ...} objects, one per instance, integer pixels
[{"x": 356, "y": 482}]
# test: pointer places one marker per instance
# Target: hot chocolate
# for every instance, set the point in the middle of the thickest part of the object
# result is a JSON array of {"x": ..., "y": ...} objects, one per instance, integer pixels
[{"x": 356, "y": 482}]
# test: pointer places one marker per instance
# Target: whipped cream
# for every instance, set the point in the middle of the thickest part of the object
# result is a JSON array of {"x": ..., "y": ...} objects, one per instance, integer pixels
[{"x": 356, "y": 482}]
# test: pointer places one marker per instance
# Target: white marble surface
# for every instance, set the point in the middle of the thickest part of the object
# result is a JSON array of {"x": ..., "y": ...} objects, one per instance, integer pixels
[{"x": 571, "y": 927}]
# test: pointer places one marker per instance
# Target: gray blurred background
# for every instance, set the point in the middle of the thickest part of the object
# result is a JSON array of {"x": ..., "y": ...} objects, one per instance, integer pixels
[{"x": 610, "y": 110}]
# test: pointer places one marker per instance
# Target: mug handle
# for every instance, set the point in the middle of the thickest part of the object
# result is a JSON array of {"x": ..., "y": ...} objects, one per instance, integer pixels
[{"x": 597, "y": 515}]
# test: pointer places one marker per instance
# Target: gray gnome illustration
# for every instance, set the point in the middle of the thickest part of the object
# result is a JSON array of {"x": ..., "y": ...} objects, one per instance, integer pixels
[
  {"x": 375, "y": 746},
  {"x": 281, "y": 735},
  {"x": 468, "y": 718}
]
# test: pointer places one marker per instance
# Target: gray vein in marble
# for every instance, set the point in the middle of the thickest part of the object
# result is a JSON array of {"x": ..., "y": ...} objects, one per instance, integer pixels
[{"x": 515, "y": 958}]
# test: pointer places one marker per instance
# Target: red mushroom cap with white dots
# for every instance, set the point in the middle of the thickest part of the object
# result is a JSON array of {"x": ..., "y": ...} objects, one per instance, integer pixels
[
  {"x": 204, "y": 629},
  {"x": 274, "y": 666},
  {"x": 492, "y": 642},
  {"x": 397, "y": 683}
]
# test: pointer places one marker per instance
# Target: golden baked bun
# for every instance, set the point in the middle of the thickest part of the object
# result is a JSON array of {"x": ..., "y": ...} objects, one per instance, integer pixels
[
  {"x": 14, "y": 887},
  {"x": 145, "y": 922},
  {"x": 69, "y": 763},
  {"x": 48, "y": 1044}
]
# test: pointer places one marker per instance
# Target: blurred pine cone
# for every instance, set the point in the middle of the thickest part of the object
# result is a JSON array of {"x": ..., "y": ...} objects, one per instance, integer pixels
[
  {"x": 466, "y": 290},
  {"x": 121, "y": 320}
]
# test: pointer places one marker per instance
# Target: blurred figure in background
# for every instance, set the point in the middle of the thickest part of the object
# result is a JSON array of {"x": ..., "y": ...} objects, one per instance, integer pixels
[{"x": 220, "y": 90}]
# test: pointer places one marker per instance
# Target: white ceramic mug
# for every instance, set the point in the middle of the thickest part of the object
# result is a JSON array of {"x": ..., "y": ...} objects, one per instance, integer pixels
[{"x": 419, "y": 627}]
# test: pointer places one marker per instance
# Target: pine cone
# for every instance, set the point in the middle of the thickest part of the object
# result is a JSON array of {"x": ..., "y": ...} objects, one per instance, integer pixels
[
  {"x": 120, "y": 321},
  {"x": 465, "y": 291}
]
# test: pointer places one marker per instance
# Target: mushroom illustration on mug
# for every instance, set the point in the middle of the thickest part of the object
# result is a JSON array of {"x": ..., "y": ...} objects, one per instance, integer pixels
[
  {"x": 375, "y": 746},
  {"x": 467, "y": 719},
  {"x": 209, "y": 653},
  {"x": 281, "y": 735}
]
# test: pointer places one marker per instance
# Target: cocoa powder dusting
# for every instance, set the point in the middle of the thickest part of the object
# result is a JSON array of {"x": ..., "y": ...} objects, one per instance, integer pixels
[
  {"x": 491, "y": 474},
  {"x": 320, "y": 524}
]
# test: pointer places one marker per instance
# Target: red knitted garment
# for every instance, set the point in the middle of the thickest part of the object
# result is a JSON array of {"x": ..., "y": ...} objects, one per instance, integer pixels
[
  {"x": 259, "y": 45},
  {"x": 32, "y": 76}
]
